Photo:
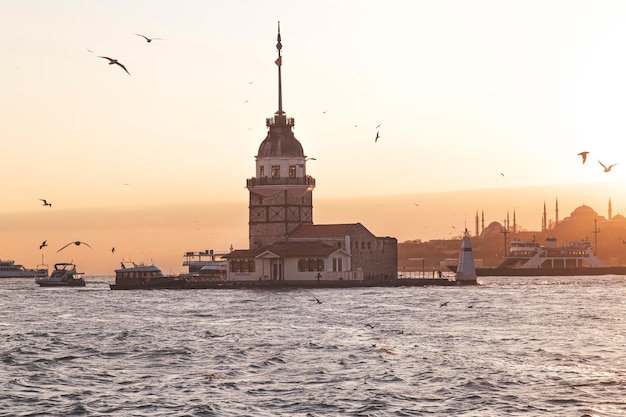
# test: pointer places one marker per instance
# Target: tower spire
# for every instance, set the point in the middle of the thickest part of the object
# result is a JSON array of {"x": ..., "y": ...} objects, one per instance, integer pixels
[{"x": 279, "y": 62}]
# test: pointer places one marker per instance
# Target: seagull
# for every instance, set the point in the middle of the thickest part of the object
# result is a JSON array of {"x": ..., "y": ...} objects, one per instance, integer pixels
[
  {"x": 77, "y": 243},
  {"x": 607, "y": 169},
  {"x": 443, "y": 304},
  {"x": 43, "y": 244},
  {"x": 377, "y": 136},
  {"x": 318, "y": 301},
  {"x": 113, "y": 249},
  {"x": 148, "y": 39},
  {"x": 116, "y": 62},
  {"x": 584, "y": 155},
  {"x": 45, "y": 203}
]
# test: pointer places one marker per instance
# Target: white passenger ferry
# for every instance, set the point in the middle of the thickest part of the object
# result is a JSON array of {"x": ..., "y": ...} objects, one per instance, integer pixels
[{"x": 9, "y": 269}]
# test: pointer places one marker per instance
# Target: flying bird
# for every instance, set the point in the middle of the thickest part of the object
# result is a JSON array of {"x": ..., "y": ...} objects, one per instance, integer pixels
[
  {"x": 45, "y": 203},
  {"x": 443, "y": 304},
  {"x": 148, "y": 39},
  {"x": 113, "y": 249},
  {"x": 77, "y": 243},
  {"x": 116, "y": 62},
  {"x": 584, "y": 156},
  {"x": 606, "y": 169},
  {"x": 43, "y": 244},
  {"x": 378, "y": 125},
  {"x": 377, "y": 136},
  {"x": 317, "y": 299}
]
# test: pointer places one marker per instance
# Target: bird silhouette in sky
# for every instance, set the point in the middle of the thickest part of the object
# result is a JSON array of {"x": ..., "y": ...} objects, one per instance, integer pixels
[
  {"x": 43, "y": 244},
  {"x": 116, "y": 62},
  {"x": 606, "y": 169},
  {"x": 113, "y": 249},
  {"x": 443, "y": 304},
  {"x": 77, "y": 243},
  {"x": 377, "y": 136},
  {"x": 149, "y": 39},
  {"x": 45, "y": 203},
  {"x": 583, "y": 155}
]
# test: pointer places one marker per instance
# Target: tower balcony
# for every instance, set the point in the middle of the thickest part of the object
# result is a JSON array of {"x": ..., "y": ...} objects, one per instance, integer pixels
[{"x": 270, "y": 185}]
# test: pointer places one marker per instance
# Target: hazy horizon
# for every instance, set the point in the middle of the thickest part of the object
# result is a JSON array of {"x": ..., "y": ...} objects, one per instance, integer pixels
[{"x": 163, "y": 233}]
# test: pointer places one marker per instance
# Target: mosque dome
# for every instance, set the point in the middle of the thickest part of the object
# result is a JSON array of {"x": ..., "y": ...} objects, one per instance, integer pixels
[
  {"x": 584, "y": 211},
  {"x": 493, "y": 229},
  {"x": 280, "y": 140}
]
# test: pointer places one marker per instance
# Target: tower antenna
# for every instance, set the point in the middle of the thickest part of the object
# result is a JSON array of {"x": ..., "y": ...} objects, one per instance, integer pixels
[{"x": 279, "y": 62}]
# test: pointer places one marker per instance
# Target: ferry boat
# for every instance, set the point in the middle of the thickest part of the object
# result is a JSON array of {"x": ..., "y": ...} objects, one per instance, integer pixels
[
  {"x": 63, "y": 275},
  {"x": 132, "y": 276},
  {"x": 205, "y": 264},
  {"x": 530, "y": 258},
  {"x": 9, "y": 269}
]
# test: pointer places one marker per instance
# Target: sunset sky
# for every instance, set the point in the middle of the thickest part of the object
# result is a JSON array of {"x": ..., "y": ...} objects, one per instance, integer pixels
[{"x": 469, "y": 95}]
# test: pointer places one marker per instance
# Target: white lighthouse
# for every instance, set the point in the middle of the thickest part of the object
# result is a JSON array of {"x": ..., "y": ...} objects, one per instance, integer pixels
[{"x": 465, "y": 270}]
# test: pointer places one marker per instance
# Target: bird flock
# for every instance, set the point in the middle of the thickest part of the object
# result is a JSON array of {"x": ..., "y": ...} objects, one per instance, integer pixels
[
  {"x": 607, "y": 168},
  {"x": 76, "y": 242},
  {"x": 46, "y": 203},
  {"x": 114, "y": 61}
]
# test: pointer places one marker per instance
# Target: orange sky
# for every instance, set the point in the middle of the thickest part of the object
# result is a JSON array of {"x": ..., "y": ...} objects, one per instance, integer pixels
[{"x": 162, "y": 234}]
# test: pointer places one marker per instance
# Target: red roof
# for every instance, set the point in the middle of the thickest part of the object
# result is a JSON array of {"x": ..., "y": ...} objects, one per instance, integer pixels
[
  {"x": 322, "y": 230},
  {"x": 288, "y": 250}
]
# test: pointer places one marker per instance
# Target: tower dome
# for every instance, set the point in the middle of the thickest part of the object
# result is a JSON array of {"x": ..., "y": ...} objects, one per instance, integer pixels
[{"x": 280, "y": 140}]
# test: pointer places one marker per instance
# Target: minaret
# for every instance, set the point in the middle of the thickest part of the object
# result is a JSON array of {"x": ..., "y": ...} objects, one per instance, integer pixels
[
  {"x": 477, "y": 230},
  {"x": 482, "y": 221},
  {"x": 514, "y": 222},
  {"x": 544, "y": 218},
  {"x": 610, "y": 210},
  {"x": 281, "y": 194},
  {"x": 556, "y": 213}
]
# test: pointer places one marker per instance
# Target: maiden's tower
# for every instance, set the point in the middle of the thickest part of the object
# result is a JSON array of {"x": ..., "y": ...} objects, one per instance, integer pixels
[{"x": 284, "y": 243}]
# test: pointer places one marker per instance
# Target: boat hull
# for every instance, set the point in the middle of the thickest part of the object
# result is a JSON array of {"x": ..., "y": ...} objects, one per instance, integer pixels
[
  {"x": 539, "y": 272},
  {"x": 27, "y": 273},
  {"x": 78, "y": 283}
]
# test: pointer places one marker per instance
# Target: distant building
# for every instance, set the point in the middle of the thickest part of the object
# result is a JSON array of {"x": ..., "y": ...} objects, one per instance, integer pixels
[{"x": 284, "y": 244}]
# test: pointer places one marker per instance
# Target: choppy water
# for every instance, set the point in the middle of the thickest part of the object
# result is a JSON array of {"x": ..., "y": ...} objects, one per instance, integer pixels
[{"x": 510, "y": 347}]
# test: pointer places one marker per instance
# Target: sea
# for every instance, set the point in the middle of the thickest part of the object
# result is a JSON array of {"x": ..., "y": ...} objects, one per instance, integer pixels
[{"x": 531, "y": 346}]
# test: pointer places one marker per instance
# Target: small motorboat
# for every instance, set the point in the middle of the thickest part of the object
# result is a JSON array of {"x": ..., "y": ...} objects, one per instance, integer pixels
[{"x": 63, "y": 275}]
